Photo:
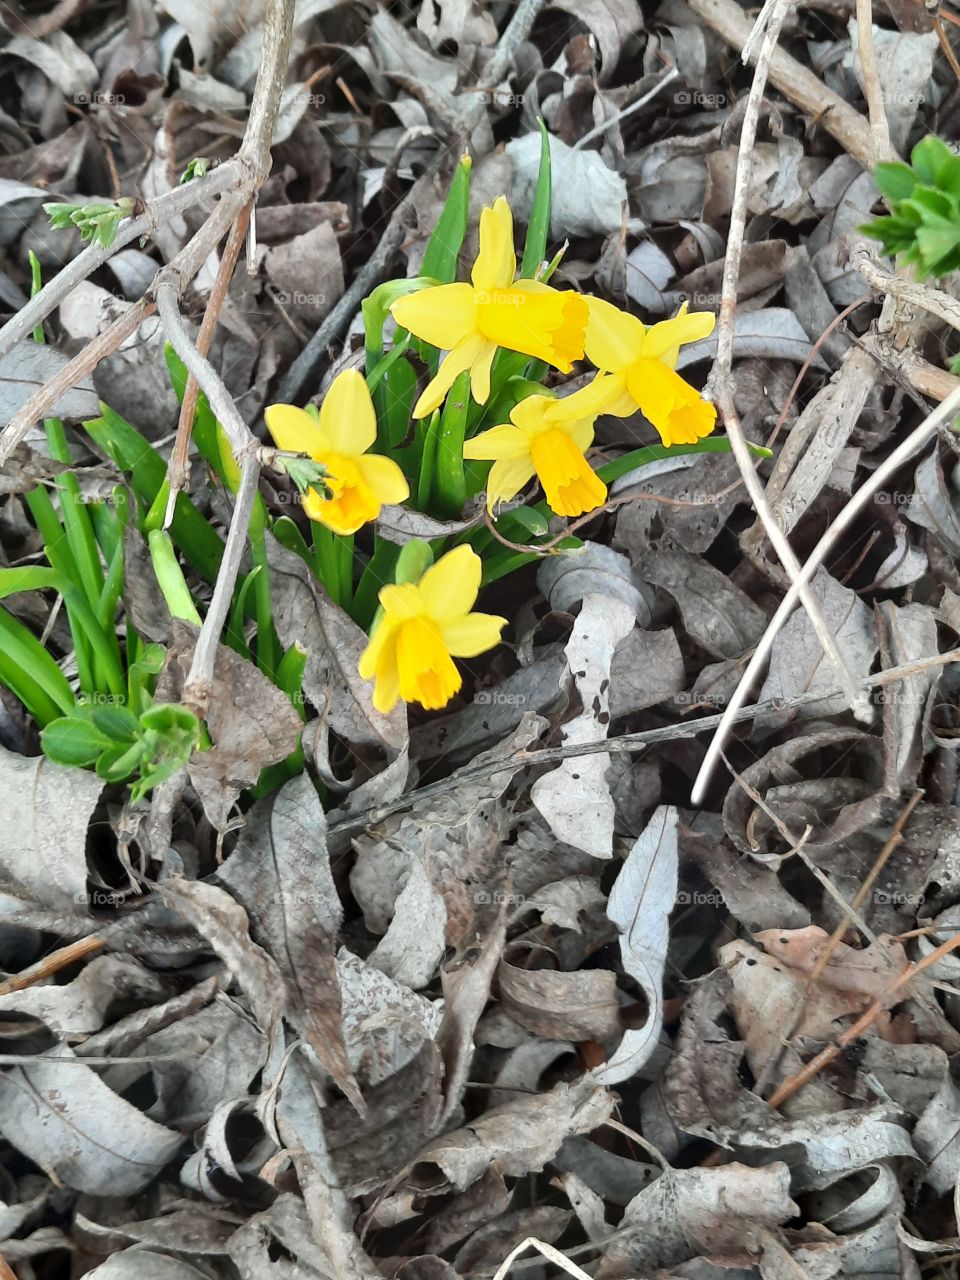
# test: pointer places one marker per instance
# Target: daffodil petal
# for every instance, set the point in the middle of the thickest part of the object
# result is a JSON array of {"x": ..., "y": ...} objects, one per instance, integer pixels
[
  {"x": 496, "y": 262},
  {"x": 537, "y": 320},
  {"x": 498, "y": 442},
  {"x": 507, "y": 477},
  {"x": 428, "y": 674},
  {"x": 378, "y": 662},
  {"x": 480, "y": 374},
  {"x": 663, "y": 341},
  {"x": 461, "y": 357},
  {"x": 372, "y": 654},
  {"x": 472, "y": 634},
  {"x": 449, "y": 588},
  {"x": 386, "y": 480},
  {"x": 571, "y": 486},
  {"x": 347, "y": 416},
  {"x": 531, "y": 413},
  {"x": 295, "y": 431},
  {"x": 589, "y": 402},
  {"x": 677, "y": 410},
  {"x": 401, "y": 601},
  {"x": 442, "y": 316},
  {"x": 613, "y": 338}
]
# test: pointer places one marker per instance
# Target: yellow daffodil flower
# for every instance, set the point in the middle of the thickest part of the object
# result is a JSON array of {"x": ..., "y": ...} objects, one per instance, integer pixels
[
  {"x": 359, "y": 482},
  {"x": 470, "y": 321},
  {"x": 422, "y": 628},
  {"x": 548, "y": 439},
  {"x": 641, "y": 368}
]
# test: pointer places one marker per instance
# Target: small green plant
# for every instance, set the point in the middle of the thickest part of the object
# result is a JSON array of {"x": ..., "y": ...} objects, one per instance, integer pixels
[
  {"x": 97, "y": 221},
  {"x": 923, "y": 226},
  {"x": 197, "y": 167}
]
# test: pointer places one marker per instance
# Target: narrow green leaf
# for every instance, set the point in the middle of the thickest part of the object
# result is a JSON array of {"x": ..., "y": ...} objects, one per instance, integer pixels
[{"x": 538, "y": 227}]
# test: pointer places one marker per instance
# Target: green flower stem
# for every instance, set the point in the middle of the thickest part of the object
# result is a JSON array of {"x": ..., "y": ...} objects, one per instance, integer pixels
[
  {"x": 170, "y": 577},
  {"x": 343, "y": 547},
  {"x": 378, "y": 572},
  {"x": 450, "y": 485},
  {"x": 428, "y": 460},
  {"x": 326, "y": 560}
]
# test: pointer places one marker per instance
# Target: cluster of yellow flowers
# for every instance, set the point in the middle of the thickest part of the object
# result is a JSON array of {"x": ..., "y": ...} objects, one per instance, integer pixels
[{"x": 422, "y": 626}]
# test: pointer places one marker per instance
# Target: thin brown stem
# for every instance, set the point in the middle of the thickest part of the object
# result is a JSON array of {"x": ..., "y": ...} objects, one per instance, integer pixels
[{"x": 178, "y": 469}]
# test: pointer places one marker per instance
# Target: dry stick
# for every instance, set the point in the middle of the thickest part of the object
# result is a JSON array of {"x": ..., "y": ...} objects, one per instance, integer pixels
[
  {"x": 45, "y": 398},
  {"x": 178, "y": 468},
  {"x": 53, "y": 963},
  {"x": 882, "y": 146},
  {"x": 162, "y": 209},
  {"x": 242, "y": 440},
  {"x": 199, "y": 683},
  {"x": 802, "y": 87},
  {"x": 721, "y": 378},
  {"x": 625, "y": 743},
  {"x": 903, "y": 453},
  {"x": 894, "y": 840},
  {"x": 813, "y": 1068},
  {"x": 911, "y": 292}
]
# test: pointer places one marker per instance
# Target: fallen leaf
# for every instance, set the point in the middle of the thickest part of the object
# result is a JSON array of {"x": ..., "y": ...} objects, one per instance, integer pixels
[{"x": 641, "y": 901}]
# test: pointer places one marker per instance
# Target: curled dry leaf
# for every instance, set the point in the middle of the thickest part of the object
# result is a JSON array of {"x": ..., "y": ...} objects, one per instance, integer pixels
[
  {"x": 574, "y": 798},
  {"x": 47, "y": 809},
  {"x": 641, "y": 900},
  {"x": 280, "y": 872}
]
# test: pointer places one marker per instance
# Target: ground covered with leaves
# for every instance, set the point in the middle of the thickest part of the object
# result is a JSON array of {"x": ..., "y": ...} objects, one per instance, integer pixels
[{"x": 533, "y": 967}]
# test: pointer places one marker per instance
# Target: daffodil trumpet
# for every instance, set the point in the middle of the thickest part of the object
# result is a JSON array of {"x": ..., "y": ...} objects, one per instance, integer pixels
[
  {"x": 638, "y": 367},
  {"x": 546, "y": 438},
  {"x": 471, "y": 321},
  {"x": 422, "y": 627},
  {"x": 356, "y": 483}
]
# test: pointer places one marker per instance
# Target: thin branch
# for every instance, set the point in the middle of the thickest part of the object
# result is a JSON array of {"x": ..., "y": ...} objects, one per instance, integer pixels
[
  {"x": 804, "y": 89},
  {"x": 516, "y": 31},
  {"x": 178, "y": 468},
  {"x": 625, "y": 743},
  {"x": 856, "y": 1029},
  {"x": 84, "y": 362},
  {"x": 52, "y": 963},
  {"x": 199, "y": 683},
  {"x": 939, "y": 416},
  {"x": 671, "y": 75},
  {"x": 169, "y": 205},
  {"x": 721, "y": 378},
  {"x": 872, "y": 91},
  {"x": 242, "y": 439},
  {"x": 911, "y": 292}
]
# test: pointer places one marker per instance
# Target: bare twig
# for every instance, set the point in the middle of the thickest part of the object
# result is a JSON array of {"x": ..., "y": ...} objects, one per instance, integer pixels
[
  {"x": 872, "y": 91},
  {"x": 199, "y": 682},
  {"x": 911, "y": 292},
  {"x": 804, "y": 89},
  {"x": 242, "y": 439},
  {"x": 856, "y": 1029},
  {"x": 84, "y": 362},
  {"x": 515, "y": 33},
  {"x": 178, "y": 467},
  {"x": 52, "y": 963},
  {"x": 942, "y": 414},
  {"x": 625, "y": 743},
  {"x": 668, "y": 78},
  {"x": 162, "y": 209},
  {"x": 721, "y": 378}
]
